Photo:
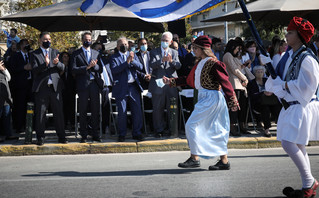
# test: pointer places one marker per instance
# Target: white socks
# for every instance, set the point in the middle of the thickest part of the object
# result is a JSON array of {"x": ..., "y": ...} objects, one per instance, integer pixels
[{"x": 299, "y": 156}]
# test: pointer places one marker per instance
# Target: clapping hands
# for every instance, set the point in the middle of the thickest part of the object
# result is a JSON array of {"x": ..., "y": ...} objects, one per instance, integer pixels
[
  {"x": 167, "y": 58},
  {"x": 92, "y": 64},
  {"x": 2, "y": 67},
  {"x": 130, "y": 58}
]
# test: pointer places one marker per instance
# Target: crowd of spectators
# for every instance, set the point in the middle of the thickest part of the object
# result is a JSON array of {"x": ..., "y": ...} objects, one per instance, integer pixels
[{"x": 51, "y": 80}]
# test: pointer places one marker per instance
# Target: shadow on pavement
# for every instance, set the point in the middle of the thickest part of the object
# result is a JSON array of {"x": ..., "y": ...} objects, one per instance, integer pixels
[{"x": 114, "y": 173}]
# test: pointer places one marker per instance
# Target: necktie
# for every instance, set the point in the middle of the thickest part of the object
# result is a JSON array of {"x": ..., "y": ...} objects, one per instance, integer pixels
[
  {"x": 50, "y": 78},
  {"x": 130, "y": 78},
  {"x": 87, "y": 55},
  {"x": 26, "y": 59}
]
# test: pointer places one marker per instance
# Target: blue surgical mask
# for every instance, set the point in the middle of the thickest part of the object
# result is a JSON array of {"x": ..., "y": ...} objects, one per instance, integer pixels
[
  {"x": 132, "y": 49},
  {"x": 143, "y": 48},
  {"x": 164, "y": 44}
]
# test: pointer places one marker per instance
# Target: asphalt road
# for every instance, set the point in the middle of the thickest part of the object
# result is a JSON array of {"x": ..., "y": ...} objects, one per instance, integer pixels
[{"x": 254, "y": 173}]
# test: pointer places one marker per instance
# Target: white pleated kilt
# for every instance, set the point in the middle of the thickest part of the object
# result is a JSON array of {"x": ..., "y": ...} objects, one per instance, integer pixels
[
  {"x": 299, "y": 124},
  {"x": 207, "y": 129}
]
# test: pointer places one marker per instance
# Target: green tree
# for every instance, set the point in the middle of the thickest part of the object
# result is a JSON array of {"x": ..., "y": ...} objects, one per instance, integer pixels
[
  {"x": 60, "y": 40},
  {"x": 155, "y": 38},
  {"x": 266, "y": 30}
]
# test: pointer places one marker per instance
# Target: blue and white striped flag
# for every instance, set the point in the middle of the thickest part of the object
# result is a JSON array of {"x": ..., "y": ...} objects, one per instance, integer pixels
[
  {"x": 7, "y": 34},
  {"x": 159, "y": 10},
  {"x": 92, "y": 6}
]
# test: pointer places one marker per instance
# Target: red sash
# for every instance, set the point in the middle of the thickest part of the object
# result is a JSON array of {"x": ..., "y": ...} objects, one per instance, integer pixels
[{"x": 191, "y": 77}]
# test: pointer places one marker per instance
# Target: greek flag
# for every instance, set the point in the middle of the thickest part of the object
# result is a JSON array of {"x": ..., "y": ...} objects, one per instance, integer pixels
[
  {"x": 92, "y": 6},
  {"x": 6, "y": 33},
  {"x": 158, "y": 10}
]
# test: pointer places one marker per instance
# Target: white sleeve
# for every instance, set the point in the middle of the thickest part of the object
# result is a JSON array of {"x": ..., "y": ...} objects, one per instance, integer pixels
[
  {"x": 245, "y": 58},
  {"x": 7, "y": 74},
  {"x": 275, "y": 60},
  {"x": 304, "y": 87}
]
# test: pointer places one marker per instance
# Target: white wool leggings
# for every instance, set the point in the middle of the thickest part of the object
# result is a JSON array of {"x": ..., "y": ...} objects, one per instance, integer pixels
[{"x": 299, "y": 156}]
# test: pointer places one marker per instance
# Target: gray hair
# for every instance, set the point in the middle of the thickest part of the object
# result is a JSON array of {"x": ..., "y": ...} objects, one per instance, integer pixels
[
  {"x": 258, "y": 67},
  {"x": 169, "y": 34},
  {"x": 121, "y": 39}
]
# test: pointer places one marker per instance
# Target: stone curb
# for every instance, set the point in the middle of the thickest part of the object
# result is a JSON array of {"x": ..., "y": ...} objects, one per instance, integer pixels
[{"x": 132, "y": 147}]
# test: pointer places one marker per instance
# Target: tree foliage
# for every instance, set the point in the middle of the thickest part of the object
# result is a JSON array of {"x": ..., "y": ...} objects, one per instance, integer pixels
[
  {"x": 60, "y": 40},
  {"x": 266, "y": 30},
  {"x": 155, "y": 38}
]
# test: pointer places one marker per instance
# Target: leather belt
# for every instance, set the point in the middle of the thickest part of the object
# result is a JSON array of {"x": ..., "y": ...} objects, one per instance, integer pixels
[{"x": 286, "y": 104}]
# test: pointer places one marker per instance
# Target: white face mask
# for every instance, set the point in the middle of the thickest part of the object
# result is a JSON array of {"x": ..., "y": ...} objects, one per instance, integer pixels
[{"x": 251, "y": 50}]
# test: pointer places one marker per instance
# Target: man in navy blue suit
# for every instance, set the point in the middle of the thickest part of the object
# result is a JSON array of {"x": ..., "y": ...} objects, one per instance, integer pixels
[
  {"x": 21, "y": 84},
  {"x": 127, "y": 89},
  {"x": 87, "y": 71}
]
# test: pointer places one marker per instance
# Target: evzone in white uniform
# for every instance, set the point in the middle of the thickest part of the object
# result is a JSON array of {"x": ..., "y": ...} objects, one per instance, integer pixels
[{"x": 297, "y": 86}]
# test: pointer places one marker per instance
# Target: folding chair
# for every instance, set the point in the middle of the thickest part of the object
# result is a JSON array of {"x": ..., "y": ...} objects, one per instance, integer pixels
[
  {"x": 188, "y": 93},
  {"x": 250, "y": 110},
  {"x": 147, "y": 94},
  {"x": 113, "y": 111}
]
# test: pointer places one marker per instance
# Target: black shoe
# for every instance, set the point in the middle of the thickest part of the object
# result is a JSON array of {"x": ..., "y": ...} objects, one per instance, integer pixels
[
  {"x": 138, "y": 138},
  {"x": 12, "y": 137},
  {"x": 40, "y": 141},
  {"x": 245, "y": 132},
  {"x": 166, "y": 134},
  {"x": 96, "y": 139},
  {"x": 268, "y": 134},
  {"x": 63, "y": 140},
  {"x": 121, "y": 139},
  {"x": 220, "y": 166},
  {"x": 189, "y": 163},
  {"x": 159, "y": 135},
  {"x": 243, "y": 129},
  {"x": 235, "y": 134},
  {"x": 83, "y": 140}
]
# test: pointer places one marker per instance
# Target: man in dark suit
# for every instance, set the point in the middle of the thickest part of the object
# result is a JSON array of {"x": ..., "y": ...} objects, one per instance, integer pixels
[
  {"x": 47, "y": 86},
  {"x": 145, "y": 75},
  {"x": 143, "y": 56},
  {"x": 107, "y": 88},
  {"x": 68, "y": 92},
  {"x": 21, "y": 84},
  {"x": 127, "y": 89},
  {"x": 164, "y": 62},
  {"x": 87, "y": 72}
]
